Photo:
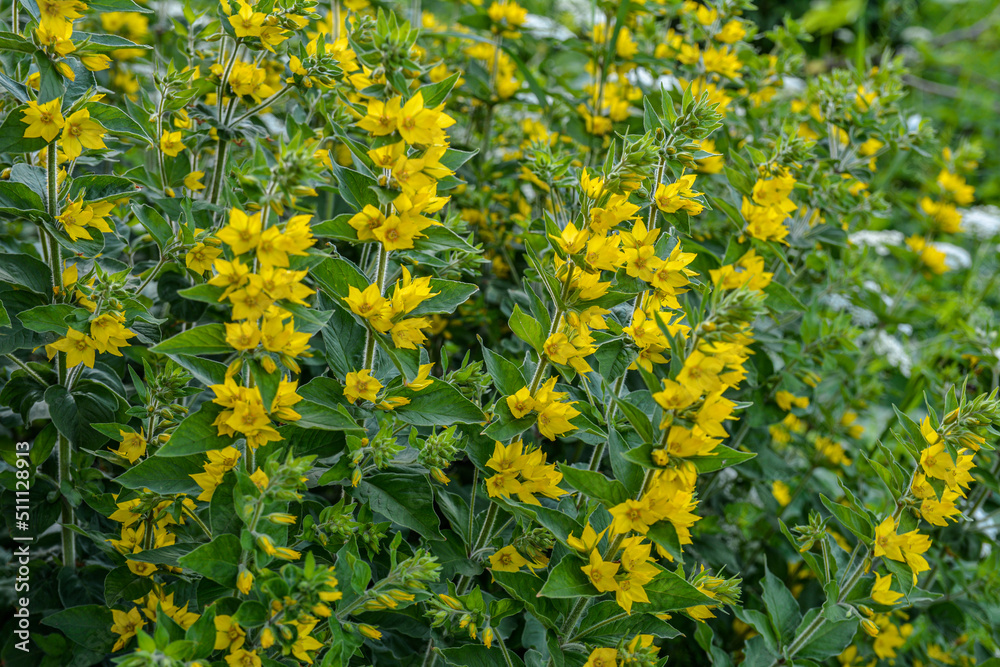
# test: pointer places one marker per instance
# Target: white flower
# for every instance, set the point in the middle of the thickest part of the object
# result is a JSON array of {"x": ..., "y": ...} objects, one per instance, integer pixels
[
  {"x": 983, "y": 222},
  {"x": 881, "y": 241}
]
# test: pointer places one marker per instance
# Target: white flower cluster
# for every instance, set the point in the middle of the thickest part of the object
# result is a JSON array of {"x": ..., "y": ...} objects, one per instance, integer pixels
[
  {"x": 890, "y": 348},
  {"x": 881, "y": 241}
]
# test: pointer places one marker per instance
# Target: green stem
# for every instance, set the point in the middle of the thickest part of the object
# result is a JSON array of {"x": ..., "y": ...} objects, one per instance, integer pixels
[
  {"x": 503, "y": 650},
  {"x": 27, "y": 369},
  {"x": 201, "y": 524},
  {"x": 484, "y": 535},
  {"x": 263, "y": 105},
  {"x": 380, "y": 272},
  {"x": 218, "y": 173},
  {"x": 65, "y": 452}
]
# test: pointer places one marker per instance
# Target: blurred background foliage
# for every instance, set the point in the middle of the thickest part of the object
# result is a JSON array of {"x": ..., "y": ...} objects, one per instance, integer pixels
[{"x": 949, "y": 46}]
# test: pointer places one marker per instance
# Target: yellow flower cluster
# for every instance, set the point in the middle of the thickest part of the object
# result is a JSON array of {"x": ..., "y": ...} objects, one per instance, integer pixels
[
  {"x": 388, "y": 314},
  {"x": 107, "y": 335},
  {"x": 769, "y": 208},
  {"x": 554, "y": 412},
  {"x": 523, "y": 473}
]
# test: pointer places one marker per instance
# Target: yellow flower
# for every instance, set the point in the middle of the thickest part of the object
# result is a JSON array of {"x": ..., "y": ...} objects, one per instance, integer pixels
[
  {"x": 79, "y": 348},
  {"x": 929, "y": 256},
  {"x": 247, "y": 23},
  {"x": 81, "y": 132},
  {"x": 520, "y": 403},
  {"x": 132, "y": 446},
  {"x": 243, "y": 658},
  {"x": 97, "y": 62},
  {"x": 507, "y": 560},
  {"x": 369, "y": 631},
  {"x": 125, "y": 625},
  {"x": 881, "y": 593},
  {"x": 243, "y": 232},
  {"x": 361, "y": 384},
  {"x": 244, "y": 580},
  {"x": 587, "y": 541},
  {"x": 171, "y": 144},
  {"x": 228, "y": 634},
  {"x": 200, "y": 257},
  {"x": 243, "y": 336},
  {"x": 632, "y": 515},
  {"x": 602, "y": 657},
  {"x": 193, "y": 181},
  {"x": 780, "y": 491},
  {"x": 600, "y": 573},
  {"x": 44, "y": 120}
]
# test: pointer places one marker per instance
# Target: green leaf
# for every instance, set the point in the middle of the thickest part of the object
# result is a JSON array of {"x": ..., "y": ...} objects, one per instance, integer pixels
[
  {"x": 527, "y": 328},
  {"x": 164, "y": 475},
  {"x": 17, "y": 198},
  {"x": 853, "y": 520},
  {"x": 344, "y": 342},
  {"x": 100, "y": 188},
  {"x": 438, "y": 405},
  {"x": 780, "y": 299},
  {"x": 116, "y": 121},
  {"x": 324, "y": 407},
  {"x": 157, "y": 227},
  {"x": 50, "y": 318},
  {"x": 218, "y": 560},
  {"x": 101, "y": 43},
  {"x": 206, "y": 339},
  {"x": 26, "y": 271},
  {"x": 324, "y": 417},
  {"x": 73, "y": 413},
  {"x": 10, "y": 41},
  {"x": 567, "y": 580},
  {"x": 251, "y": 614},
  {"x": 671, "y": 592},
  {"x": 121, "y": 584},
  {"x": 612, "y": 631},
  {"x": 505, "y": 426},
  {"x": 118, "y": 6},
  {"x": 450, "y": 295},
  {"x": 640, "y": 422},
  {"x": 830, "y": 639},
  {"x": 627, "y": 472},
  {"x": 196, "y": 434},
  {"x": 405, "y": 498},
  {"x": 87, "y": 625},
  {"x": 336, "y": 275},
  {"x": 202, "y": 634},
  {"x": 168, "y": 555},
  {"x": 15, "y": 88},
  {"x": 507, "y": 377},
  {"x": 356, "y": 188},
  {"x": 595, "y": 485},
  {"x": 782, "y": 607},
  {"x": 721, "y": 457},
  {"x": 435, "y": 93}
]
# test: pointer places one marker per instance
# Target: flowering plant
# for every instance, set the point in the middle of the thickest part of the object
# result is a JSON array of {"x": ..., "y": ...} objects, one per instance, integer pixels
[{"x": 460, "y": 335}]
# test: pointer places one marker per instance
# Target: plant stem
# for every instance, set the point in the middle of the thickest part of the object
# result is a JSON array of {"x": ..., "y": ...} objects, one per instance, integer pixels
[
  {"x": 484, "y": 535},
  {"x": 27, "y": 369},
  {"x": 65, "y": 452},
  {"x": 218, "y": 173},
  {"x": 503, "y": 651},
  {"x": 263, "y": 105},
  {"x": 380, "y": 271}
]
